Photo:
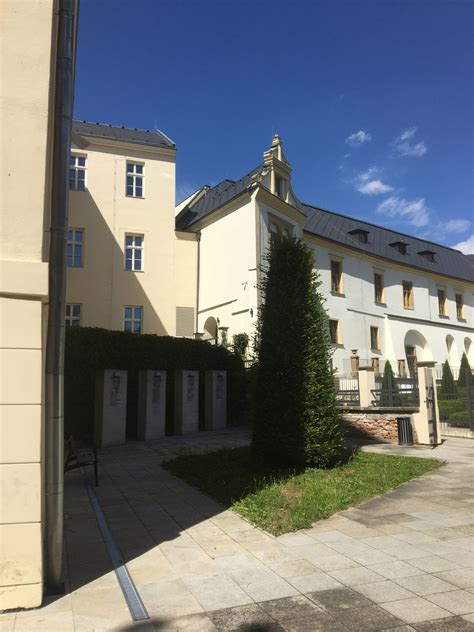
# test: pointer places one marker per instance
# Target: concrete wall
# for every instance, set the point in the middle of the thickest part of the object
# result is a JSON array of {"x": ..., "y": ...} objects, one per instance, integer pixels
[
  {"x": 27, "y": 36},
  {"x": 102, "y": 286}
]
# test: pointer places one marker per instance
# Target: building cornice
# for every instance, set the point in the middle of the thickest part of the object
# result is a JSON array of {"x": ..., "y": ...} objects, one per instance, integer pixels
[{"x": 387, "y": 263}]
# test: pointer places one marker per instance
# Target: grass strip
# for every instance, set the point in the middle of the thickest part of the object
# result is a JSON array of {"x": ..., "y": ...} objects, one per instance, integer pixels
[{"x": 280, "y": 501}]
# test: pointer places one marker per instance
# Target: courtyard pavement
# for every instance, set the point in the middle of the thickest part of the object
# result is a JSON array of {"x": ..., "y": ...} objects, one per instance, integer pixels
[{"x": 402, "y": 561}]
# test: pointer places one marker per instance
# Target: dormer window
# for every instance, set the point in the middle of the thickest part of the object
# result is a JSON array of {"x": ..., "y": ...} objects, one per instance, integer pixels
[
  {"x": 429, "y": 255},
  {"x": 401, "y": 246},
  {"x": 360, "y": 234}
]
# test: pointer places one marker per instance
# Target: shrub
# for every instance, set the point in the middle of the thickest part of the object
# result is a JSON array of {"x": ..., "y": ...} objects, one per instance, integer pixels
[
  {"x": 91, "y": 349},
  {"x": 448, "y": 385},
  {"x": 296, "y": 421},
  {"x": 241, "y": 343},
  {"x": 389, "y": 394},
  {"x": 463, "y": 370}
]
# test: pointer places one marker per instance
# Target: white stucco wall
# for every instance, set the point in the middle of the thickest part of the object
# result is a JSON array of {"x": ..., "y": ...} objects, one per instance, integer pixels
[
  {"x": 357, "y": 311},
  {"x": 228, "y": 268}
]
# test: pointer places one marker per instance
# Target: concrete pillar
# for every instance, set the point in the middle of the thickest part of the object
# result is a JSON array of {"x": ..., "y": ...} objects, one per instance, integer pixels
[
  {"x": 186, "y": 402},
  {"x": 216, "y": 400},
  {"x": 366, "y": 386},
  {"x": 426, "y": 421},
  {"x": 110, "y": 414},
  {"x": 151, "y": 405}
]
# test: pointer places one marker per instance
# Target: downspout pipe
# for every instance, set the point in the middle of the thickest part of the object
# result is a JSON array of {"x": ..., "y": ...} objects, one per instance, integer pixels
[{"x": 55, "y": 340}]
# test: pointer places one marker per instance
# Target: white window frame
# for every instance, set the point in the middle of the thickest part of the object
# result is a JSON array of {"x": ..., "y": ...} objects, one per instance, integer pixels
[
  {"x": 130, "y": 172},
  {"x": 75, "y": 243},
  {"x": 379, "y": 300},
  {"x": 134, "y": 248},
  {"x": 71, "y": 317},
  {"x": 410, "y": 295},
  {"x": 133, "y": 319},
  {"x": 76, "y": 168}
]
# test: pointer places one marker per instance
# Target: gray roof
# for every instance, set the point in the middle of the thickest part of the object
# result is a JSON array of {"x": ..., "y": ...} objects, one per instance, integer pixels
[
  {"x": 336, "y": 228},
  {"x": 212, "y": 198},
  {"x": 153, "y": 138}
]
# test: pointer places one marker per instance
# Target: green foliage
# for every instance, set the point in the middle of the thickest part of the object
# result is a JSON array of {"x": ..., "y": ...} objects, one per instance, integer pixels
[
  {"x": 91, "y": 349},
  {"x": 463, "y": 369},
  {"x": 296, "y": 421},
  {"x": 389, "y": 394},
  {"x": 448, "y": 385},
  {"x": 282, "y": 500},
  {"x": 241, "y": 343}
]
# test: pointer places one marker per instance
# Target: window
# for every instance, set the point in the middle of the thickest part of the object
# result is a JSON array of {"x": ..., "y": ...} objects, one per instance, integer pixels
[
  {"x": 402, "y": 368},
  {"x": 334, "y": 332},
  {"x": 133, "y": 319},
  {"x": 77, "y": 172},
  {"x": 378, "y": 287},
  {"x": 408, "y": 295},
  {"x": 134, "y": 252},
  {"x": 135, "y": 179},
  {"x": 374, "y": 338},
  {"x": 376, "y": 365},
  {"x": 459, "y": 306},
  {"x": 75, "y": 247},
  {"x": 73, "y": 315},
  {"x": 442, "y": 303},
  {"x": 336, "y": 276}
]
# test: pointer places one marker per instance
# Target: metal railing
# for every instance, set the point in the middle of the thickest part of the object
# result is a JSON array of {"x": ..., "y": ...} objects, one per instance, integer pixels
[
  {"x": 347, "y": 389},
  {"x": 395, "y": 392}
]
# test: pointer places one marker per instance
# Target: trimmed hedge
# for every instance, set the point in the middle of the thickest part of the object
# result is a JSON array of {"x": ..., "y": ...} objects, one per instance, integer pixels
[
  {"x": 89, "y": 349},
  {"x": 296, "y": 420}
]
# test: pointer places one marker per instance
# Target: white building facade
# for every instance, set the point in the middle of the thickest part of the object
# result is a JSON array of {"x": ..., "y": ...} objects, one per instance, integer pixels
[{"x": 194, "y": 270}]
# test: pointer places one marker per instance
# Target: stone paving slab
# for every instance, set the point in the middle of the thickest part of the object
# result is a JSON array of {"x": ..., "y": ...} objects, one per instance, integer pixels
[{"x": 402, "y": 561}]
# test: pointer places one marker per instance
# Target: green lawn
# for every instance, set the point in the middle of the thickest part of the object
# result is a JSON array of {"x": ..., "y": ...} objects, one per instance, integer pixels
[{"x": 282, "y": 501}]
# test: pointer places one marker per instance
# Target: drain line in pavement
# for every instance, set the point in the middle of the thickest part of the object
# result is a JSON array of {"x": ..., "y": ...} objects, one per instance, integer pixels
[{"x": 134, "y": 602}]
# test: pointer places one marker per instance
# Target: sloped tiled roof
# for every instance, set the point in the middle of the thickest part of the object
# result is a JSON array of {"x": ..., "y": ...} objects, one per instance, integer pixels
[
  {"x": 212, "y": 198},
  {"x": 336, "y": 228},
  {"x": 153, "y": 138}
]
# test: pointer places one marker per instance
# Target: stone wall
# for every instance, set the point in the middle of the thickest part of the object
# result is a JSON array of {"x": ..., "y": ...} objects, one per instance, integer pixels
[{"x": 378, "y": 425}]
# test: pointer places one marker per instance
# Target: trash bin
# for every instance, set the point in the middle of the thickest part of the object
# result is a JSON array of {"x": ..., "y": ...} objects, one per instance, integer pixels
[{"x": 405, "y": 431}]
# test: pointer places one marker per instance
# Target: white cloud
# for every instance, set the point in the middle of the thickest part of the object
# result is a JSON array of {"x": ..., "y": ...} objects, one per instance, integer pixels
[
  {"x": 368, "y": 185},
  {"x": 405, "y": 147},
  {"x": 414, "y": 211},
  {"x": 456, "y": 225},
  {"x": 467, "y": 247},
  {"x": 358, "y": 138},
  {"x": 374, "y": 187}
]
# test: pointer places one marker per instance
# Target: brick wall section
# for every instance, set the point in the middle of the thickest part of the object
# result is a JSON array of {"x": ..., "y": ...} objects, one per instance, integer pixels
[{"x": 379, "y": 426}]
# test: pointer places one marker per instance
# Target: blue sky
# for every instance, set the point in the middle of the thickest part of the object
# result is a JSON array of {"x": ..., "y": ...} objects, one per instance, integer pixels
[{"x": 373, "y": 99}]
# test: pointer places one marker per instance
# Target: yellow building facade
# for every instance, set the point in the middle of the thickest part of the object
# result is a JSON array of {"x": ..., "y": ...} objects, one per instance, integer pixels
[{"x": 28, "y": 41}]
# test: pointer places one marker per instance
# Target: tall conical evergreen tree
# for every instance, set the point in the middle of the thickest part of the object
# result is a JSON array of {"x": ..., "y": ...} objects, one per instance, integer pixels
[
  {"x": 448, "y": 385},
  {"x": 296, "y": 419},
  {"x": 462, "y": 370},
  {"x": 389, "y": 395}
]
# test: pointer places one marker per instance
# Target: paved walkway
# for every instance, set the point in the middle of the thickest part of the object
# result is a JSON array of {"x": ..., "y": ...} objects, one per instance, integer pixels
[{"x": 402, "y": 561}]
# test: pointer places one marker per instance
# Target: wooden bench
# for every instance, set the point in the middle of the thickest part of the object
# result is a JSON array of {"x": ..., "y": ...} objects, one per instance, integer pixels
[{"x": 79, "y": 457}]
